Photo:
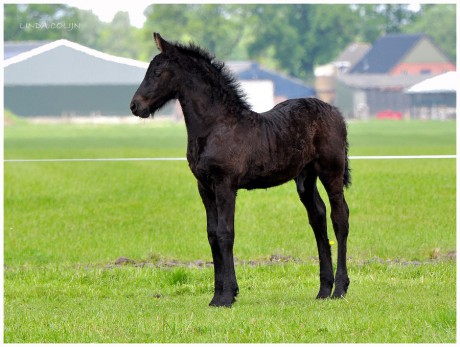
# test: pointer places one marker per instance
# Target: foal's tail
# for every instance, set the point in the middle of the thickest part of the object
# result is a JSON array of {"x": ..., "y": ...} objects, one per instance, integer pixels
[
  {"x": 344, "y": 134},
  {"x": 347, "y": 171},
  {"x": 334, "y": 117}
]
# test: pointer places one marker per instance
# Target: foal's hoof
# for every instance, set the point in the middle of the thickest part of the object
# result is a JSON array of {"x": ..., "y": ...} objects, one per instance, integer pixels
[
  {"x": 322, "y": 296},
  {"x": 222, "y": 301},
  {"x": 338, "y": 295},
  {"x": 324, "y": 293},
  {"x": 341, "y": 288}
]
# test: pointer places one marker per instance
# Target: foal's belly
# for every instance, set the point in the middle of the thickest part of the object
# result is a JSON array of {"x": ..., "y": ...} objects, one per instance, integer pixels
[
  {"x": 263, "y": 177},
  {"x": 263, "y": 183}
]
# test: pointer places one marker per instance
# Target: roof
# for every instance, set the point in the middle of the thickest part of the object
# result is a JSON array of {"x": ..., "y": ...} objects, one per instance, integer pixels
[
  {"x": 444, "y": 83},
  {"x": 286, "y": 86},
  {"x": 386, "y": 52},
  {"x": 75, "y": 46},
  {"x": 13, "y": 48},
  {"x": 380, "y": 81},
  {"x": 351, "y": 55},
  {"x": 54, "y": 64}
]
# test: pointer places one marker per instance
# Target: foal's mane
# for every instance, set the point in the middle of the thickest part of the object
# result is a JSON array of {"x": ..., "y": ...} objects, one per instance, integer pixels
[{"x": 222, "y": 74}]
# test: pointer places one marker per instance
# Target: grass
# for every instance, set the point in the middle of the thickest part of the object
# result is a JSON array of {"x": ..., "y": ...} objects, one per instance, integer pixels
[
  {"x": 402, "y": 138},
  {"x": 66, "y": 222},
  {"x": 386, "y": 303},
  {"x": 152, "y": 138},
  {"x": 148, "y": 139}
]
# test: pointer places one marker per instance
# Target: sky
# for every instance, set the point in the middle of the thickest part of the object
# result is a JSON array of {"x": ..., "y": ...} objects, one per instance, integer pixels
[{"x": 106, "y": 10}]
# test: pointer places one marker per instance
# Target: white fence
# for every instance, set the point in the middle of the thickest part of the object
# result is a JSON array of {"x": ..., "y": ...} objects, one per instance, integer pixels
[{"x": 368, "y": 157}]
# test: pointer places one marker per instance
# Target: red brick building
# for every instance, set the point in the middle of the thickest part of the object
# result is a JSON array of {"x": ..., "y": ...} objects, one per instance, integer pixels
[
  {"x": 404, "y": 54},
  {"x": 377, "y": 82}
]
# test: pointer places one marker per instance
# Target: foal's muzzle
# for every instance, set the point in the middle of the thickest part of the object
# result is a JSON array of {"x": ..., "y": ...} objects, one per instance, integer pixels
[
  {"x": 133, "y": 107},
  {"x": 138, "y": 110}
]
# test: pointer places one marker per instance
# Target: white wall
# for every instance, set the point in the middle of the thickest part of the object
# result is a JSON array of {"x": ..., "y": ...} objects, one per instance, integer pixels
[{"x": 260, "y": 94}]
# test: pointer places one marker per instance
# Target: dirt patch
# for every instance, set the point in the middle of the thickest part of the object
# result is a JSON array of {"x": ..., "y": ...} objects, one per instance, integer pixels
[
  {"x": 274, "y": 259},
  {"x": 452, "y": 255},
  {"x": 157, "y": 261}
]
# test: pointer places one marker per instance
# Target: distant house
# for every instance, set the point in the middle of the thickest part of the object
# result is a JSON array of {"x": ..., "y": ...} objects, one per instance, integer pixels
[
  {"x": 350, "y": 56},
  {"x": 326, "y": 75},
  {"x": 378, "y": 81},
  {"x": 285, "y": 87},
  {"x": 63, "y": 78},
  {"x": 403, "y": 54},
  {"x": 363, "y": 96}
]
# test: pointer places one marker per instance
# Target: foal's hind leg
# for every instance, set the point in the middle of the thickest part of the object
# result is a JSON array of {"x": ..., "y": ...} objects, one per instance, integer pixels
[
  {"x": 308, "y": 193},
  {"x": 333, "y": 183}
]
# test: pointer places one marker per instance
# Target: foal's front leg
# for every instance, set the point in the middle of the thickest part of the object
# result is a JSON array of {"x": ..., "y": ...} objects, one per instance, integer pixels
[
  {"x": 225, "y": 202},
  {"x": 209, "y": 202}
]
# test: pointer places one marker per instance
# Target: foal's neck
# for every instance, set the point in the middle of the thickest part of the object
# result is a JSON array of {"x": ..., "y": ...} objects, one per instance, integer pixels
[{"x": 204, "y": 108}]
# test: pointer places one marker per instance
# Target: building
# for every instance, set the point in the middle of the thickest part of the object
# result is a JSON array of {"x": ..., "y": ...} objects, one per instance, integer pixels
[
  {"x": 350, "y": 56},
  {"x": 377, "y": 82},
  {"x": 326, "y": 75},
  {"x": 12, "y": 49},
  {"x": 285, "y": 87},
  {"x": 363, "y": 96},
  {"x": 434, "y": 98},
  {"x": 65, "y": 79},
  {"x": 403, "y": 54}
]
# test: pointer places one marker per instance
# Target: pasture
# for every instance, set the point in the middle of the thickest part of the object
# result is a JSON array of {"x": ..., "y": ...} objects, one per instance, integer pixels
[{"x": 66, "y": 224}]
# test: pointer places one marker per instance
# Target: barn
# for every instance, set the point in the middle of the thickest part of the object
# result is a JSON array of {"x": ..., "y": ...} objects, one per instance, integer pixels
[{"x": 63, "y": 78}]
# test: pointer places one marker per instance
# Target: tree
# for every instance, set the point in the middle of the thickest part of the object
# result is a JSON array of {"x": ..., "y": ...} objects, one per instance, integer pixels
[
  {"x": 40, "y": 22},
  {"x": 293, "y": 38},
  {"x": 397, "y": 16},
  {"x": 438, "y": 21},
  {"x": 119, "y": 37},
  {"x": 90, "y": 31},
  {"x": 170, "y": 20},
  {"x": 297, "y": 37},
  {"x": 45, "y": 22},
  {"x": 376, "y": 20},
  {"x": 218, "y": 27}
]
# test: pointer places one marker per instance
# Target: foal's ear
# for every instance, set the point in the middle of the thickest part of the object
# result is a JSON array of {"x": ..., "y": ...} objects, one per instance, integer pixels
[{"x": 162, "y": 44}]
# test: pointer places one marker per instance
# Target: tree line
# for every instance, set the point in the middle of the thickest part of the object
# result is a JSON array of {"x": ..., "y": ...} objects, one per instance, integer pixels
[{"x": 293, "y": 38}]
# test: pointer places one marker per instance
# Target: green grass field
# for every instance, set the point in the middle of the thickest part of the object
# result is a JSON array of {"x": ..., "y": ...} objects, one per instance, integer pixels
[{"x": 66, "y": 224}]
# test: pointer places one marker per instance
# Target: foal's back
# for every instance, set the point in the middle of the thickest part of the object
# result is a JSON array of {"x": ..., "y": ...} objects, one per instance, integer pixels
[{"x": 288, "y": 137}]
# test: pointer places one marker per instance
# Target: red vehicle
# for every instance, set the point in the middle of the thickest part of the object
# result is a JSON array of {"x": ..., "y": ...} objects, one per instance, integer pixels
[{"x": 389, "y": 114}]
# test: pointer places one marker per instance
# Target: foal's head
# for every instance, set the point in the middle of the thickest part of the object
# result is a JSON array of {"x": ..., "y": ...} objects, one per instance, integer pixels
[
  {"x": 178, "y": 68},
  {"x": 160, "y": 83}
]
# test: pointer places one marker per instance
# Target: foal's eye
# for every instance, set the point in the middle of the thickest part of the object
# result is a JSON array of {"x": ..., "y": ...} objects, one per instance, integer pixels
[{"x": 157, "y": 72}]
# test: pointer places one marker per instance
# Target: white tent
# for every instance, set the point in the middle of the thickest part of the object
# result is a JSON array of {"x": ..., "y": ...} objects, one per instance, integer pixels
[
  {"x": 435, "y": 98},
  {"x": 445, "y": 83}
]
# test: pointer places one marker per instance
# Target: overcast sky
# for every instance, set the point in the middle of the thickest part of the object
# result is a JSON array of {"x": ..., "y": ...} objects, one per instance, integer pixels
[{"x": 106, "y": 10}]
